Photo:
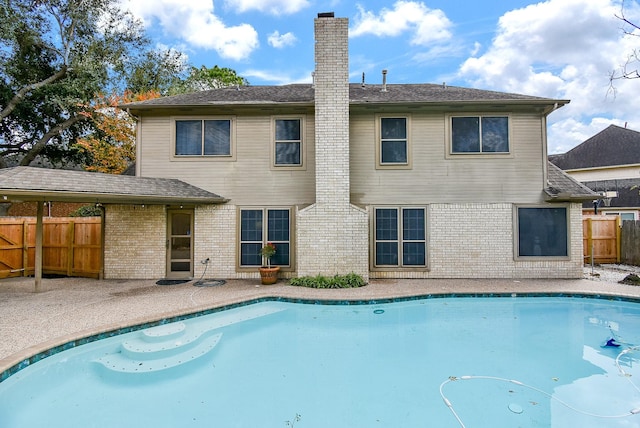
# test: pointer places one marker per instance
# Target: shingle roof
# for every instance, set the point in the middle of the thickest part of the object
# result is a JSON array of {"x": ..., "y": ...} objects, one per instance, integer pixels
[
  {"x": 628, "y": 191},
  {"x": 304, "y": 94},
  {"x": 612, "y": 146},
  {"x": 29, "y": 184},
  {"x": 562, "y": 187}
]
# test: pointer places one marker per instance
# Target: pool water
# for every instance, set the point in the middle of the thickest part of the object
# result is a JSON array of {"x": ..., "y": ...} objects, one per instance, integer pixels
[{"x": 440, "y": 362}]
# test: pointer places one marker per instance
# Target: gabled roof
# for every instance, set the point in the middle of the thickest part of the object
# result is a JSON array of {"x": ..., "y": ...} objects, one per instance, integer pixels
[
  {"x": 41, "y": 184},
  {"x": 611, "y": 147},
  {"x": 358, "y": 94},
  {"x": 562, "y": 187}
]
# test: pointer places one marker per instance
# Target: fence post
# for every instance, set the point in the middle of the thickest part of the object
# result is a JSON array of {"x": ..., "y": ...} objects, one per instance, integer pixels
[
  {"x": 25, "y": 248},
  {"x": 590, "y": 240},
  {"x": 618, "y": 238}
]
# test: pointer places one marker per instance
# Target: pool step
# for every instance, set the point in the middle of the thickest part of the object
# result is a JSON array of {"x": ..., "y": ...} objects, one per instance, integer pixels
[
  {"x": 151, "y": 345},
  {"x": 170, "y": 345},
  {"x": 123, "y": 363}
]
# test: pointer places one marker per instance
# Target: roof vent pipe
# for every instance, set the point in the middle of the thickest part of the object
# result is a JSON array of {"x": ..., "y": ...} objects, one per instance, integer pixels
[
  {"x": 313, "y": 79},
  {"x": 363, "y": 79},
  {"x": 384, "y": 80}
]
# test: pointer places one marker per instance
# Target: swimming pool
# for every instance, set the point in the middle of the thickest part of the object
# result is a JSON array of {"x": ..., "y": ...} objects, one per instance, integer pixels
[{"x": 439, "y": 362}]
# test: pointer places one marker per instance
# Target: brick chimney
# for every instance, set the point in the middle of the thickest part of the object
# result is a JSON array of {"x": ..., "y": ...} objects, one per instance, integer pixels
[
  {"x": 332, "y": 234},
  {"x": 332, "y": 109}
]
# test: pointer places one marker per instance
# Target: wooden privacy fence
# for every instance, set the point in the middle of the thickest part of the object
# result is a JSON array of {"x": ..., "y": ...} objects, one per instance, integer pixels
[
  {"x": 71, "y": 246},
  {"x": 601, "y": 238},
  {"x": 630, "y": 244}
]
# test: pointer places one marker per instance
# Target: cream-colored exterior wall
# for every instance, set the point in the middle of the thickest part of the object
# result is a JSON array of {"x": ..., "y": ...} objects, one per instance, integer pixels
[
  {"x": 249, "y": 180},
  {"x": 438, "y": 177},
  {"x": 599, "y": 174}
]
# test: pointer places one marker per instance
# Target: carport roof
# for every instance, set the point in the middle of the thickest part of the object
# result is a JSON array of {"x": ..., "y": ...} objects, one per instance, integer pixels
[{"x": 41, "y": 184}]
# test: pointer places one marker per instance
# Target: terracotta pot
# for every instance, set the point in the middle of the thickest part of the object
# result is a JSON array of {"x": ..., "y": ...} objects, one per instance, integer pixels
[{"x": 269, "y": 275}]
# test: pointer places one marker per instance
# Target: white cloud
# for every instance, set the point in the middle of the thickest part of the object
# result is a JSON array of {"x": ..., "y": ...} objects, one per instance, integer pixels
[
  {"x": 273, "y": 7},
  {"x": 561, "y": 49},
  {"x": 196, "y": 24},
  {"x": 277, "y": 77},
  {"x": 279, "y": 41},
  {"x": 425, "y": 25}
]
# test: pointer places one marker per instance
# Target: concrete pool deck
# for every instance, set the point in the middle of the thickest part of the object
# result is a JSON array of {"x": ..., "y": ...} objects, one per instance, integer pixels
[{"x": 68, "y": 309}]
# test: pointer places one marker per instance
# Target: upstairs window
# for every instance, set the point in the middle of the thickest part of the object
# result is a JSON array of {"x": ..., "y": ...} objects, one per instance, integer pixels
[
  {"x": 203, "y": 137},
  {"x": 393, "y": 141},
  {"x": 479, "y": 134},
  {"x": 288, "y": 142}
]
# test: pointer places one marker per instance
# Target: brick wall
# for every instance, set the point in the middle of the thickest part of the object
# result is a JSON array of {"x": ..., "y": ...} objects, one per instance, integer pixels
[
  {"x": 477, "y": 241},
  {"x": 332, "y": 241},
  {"x": 51, "y": 209},
  {"x": 215, "y": 239},
  {"x": 135, "y": 242}
]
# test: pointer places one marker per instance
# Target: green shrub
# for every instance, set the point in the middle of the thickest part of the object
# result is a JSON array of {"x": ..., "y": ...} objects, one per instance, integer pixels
[
  {"x": 350, "y": 280},
  {"x": 86, "y": 211}
]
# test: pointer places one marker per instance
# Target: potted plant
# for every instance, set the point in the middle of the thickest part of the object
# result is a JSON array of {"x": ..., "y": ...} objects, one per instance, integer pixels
[{"x": 268, "y": 274}]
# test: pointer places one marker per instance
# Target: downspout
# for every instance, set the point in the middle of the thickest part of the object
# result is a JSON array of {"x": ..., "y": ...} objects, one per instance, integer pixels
[{"x": 545, "y": 144}]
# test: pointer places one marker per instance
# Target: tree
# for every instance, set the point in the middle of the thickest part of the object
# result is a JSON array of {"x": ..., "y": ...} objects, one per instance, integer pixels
[
  {"x": 55, "y": 55},
  {"x": 631, "y": 68},
  {"x": 110, "y": 148},
  {"x": 203, "y": 79},
  {"x": 161, "y": 71}
]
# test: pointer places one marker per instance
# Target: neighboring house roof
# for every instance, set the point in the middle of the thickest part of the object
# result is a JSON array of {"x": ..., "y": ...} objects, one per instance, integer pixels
[
  {"x": 628, "y": 191},
  {"x": 41, "y": 184},
  {"x": 562, "y": 187},
  {"x": 358, "y": 94},
  {"x": 614, "y": 146}
]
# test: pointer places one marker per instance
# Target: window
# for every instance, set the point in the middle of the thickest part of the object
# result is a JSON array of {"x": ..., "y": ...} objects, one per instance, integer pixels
[
  {"x": 393, "y": 140},
  {"x": 479, "y": 134},
  {"x": 288, "y": 142},
  {"x": 262, "y": 225},
  {"x": 542, "y": 232},
  {"x": 209, "y": 137},
  {"x": 400, "y": 237}
]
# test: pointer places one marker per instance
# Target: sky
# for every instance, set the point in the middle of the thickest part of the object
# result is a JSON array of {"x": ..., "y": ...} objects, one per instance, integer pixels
[{"x": 560, "y": 49}]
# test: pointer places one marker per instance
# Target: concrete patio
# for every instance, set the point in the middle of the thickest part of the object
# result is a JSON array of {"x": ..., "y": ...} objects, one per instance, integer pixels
[{"x": 67, "y": 309}]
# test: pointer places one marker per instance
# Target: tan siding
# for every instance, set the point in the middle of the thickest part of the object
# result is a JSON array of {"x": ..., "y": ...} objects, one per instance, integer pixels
[
  {"x": 436, "y": 178},
  {"x": 249, "y": 180}
]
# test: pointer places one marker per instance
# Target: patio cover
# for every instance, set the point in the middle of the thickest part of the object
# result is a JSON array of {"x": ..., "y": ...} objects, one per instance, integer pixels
[{"x": 25, "y": 183}]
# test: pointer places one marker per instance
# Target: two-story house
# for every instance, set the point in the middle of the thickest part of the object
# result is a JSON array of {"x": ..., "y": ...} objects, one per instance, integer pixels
[{"x": 384, "y": 180}]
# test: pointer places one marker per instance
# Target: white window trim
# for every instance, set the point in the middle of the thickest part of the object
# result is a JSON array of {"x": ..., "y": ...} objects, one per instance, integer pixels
[
  {"x": 378, "y": 142},
  {"x": 450, "y": 154},
  {"x": 303, "y": 144},
  {"x": 200, "y": 158}
]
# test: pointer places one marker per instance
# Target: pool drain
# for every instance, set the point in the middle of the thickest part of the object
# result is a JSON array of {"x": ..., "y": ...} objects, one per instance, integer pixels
[{"x": 378, "y": 311}]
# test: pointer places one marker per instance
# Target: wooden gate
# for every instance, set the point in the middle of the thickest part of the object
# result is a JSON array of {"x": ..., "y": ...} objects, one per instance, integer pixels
[
  {"x": 71, "y": 246},
  {"x": 601, "y": 237}
]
